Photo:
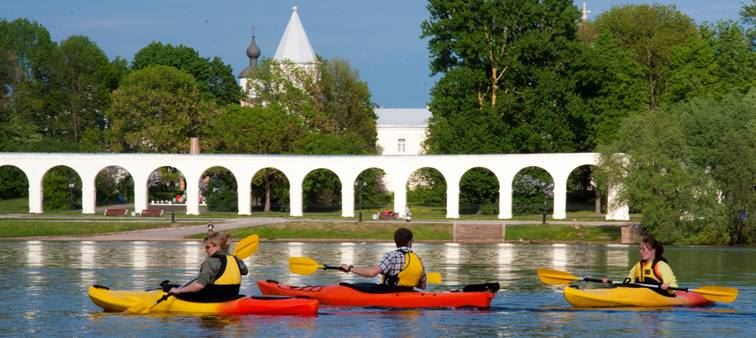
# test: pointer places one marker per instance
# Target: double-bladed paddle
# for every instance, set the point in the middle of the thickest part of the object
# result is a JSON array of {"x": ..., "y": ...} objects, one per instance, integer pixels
[
  {"x": 243, "y": 249},
  {"x": 308, "y": 266},
  {"x": 713, "y": 293}
]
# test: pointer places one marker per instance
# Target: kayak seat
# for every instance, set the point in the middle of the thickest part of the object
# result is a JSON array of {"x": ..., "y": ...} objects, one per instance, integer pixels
[
  {"x": 485, "y": 287},
  {"x": 377, "y": 288}
]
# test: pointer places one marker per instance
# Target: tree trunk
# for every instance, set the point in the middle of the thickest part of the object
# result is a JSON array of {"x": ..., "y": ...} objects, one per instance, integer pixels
[
  {"x": 597, "y": 202},
  {"x": 267, "y": 193}
]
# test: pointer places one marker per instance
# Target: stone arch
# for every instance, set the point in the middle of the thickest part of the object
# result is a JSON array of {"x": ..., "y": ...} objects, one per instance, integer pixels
[
  {"x": 14, "y": 189},
  {"x": 532, "y": 191},
  {"x": 321, "y": 191},
  {"x": 370, "y": 190},
  {"x": 166, "y": 188},
  {"x": 114, "y": 185},
  {"x": 270, "y": 190},
  {"x": 61, "y": 189},
  {"x": 478, "y": 192},
  {"x": 218, "y": 189},
  {"x": 426, "y": 188},
  {"x": 584, "y": 193}
]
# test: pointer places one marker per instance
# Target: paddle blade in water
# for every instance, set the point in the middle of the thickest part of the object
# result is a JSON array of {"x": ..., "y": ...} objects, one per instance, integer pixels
[
  {"x": 303, "y": 265},
  {"x": 718, "y": 293},
  {"x": 555, "y": 277},
  {"x": 433, "y": 277}
]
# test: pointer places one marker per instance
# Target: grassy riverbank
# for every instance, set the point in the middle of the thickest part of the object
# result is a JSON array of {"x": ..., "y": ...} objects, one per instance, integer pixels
[
  {"x": 423, "y": 232},
  {"x": 34, "y": 228}
]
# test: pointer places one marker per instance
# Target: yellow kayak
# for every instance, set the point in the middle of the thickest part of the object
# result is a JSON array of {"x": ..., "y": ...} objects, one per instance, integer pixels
[
  {"x": 629, "y": 297},
  {"x": 120, "y": 300}
]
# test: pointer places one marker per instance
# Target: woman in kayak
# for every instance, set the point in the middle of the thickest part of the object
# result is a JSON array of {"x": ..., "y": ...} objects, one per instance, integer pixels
[
  {"x": 220, "y": 274},
  {"x": 401, "y": 268},
  {"x": 652, "y": 268}
]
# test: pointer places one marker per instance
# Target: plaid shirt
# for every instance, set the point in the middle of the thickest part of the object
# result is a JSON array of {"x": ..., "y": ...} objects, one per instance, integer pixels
[{"x": 393, "y": 261}]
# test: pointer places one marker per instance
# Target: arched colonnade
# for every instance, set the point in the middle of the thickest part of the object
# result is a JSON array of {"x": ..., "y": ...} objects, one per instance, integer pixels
[{"x": 346, "y": 167}]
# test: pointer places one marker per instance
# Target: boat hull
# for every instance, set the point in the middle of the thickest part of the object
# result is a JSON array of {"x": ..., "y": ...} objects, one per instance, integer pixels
[
  {"x": 120, "y": 300},
  {"x": 347, "y": 296},
  {"x": 630, "y": 297}
]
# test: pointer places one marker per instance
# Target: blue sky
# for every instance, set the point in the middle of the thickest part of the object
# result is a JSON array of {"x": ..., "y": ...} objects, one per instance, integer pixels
[{"x": 380, "y": 38}]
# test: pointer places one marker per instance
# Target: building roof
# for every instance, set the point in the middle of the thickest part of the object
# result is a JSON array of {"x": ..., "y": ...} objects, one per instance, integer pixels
[
  {"x": 294, "y": 45},
  {"x": 406, "y": 117}
]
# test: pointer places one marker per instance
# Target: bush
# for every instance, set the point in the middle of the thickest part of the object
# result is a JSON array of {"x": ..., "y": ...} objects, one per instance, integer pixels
[
  {"x": 58, "y": 195},
  {"x": 221, "y": 196}
]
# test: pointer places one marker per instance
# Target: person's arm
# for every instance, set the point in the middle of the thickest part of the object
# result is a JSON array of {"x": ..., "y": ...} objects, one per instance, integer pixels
[
  {"x": 191, "y": 287},
  {"x": 667, "y": 275},
  {"x": 208, "y": 270},
  {"x": 368, "y": 271}
]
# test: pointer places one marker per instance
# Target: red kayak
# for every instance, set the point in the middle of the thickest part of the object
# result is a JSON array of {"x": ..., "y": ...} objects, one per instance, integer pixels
[{"x": 345, "y": 294}]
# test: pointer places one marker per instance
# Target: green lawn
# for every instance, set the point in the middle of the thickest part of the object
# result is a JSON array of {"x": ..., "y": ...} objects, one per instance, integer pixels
[{"x": 562, "y": 233}]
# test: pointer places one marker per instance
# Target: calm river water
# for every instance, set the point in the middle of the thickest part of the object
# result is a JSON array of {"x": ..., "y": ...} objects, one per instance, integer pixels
[{"x": 44, "y": 288}]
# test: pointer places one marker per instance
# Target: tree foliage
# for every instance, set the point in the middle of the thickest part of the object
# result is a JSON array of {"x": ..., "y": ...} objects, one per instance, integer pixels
[
  {"x": 670, "y": 171},
  {"x": 214, "y": 78},
  {"x": 651, "y": 33},
  {"x": 156, "y": 109}
]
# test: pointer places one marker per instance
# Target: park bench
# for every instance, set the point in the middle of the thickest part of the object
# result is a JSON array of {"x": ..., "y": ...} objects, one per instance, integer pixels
[
  {"x": 478, "y": 232},
  {"x": 152, "y": 213},
  {"x": 116, "y": 212}
]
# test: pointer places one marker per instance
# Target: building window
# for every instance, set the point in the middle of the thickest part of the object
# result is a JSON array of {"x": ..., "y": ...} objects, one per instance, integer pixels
[{"x": 400, "y": 145}]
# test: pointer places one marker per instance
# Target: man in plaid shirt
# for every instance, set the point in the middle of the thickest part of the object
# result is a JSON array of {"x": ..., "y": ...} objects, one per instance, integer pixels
[{"x": 390, "y": 266}]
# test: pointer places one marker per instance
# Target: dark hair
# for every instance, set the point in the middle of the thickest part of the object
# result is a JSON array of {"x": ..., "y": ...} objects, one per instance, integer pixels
[
  {"x": 402, "y": 237},
  {"x": 656, "y": 245}
]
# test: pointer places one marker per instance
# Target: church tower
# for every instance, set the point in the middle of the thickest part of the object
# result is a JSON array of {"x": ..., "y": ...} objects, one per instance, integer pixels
[
  {"x": 253, "y": 53},
  {"x": 294, "y": 48}
]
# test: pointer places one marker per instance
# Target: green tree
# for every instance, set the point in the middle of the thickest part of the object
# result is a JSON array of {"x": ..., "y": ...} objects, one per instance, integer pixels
[
  {"x": 677, "y": 198},
  {"x": 156, "y": 109},
  {"x": 722, "y": 136},
  {"x": 506, "y": 82},
  {"x": 32, "y": 94},
  {"x": 214, "y": 78},
  {"x": 257, "y": 130},
  {"x": 651, "y": 32},
  {"x": 345, "y": 100},
  {"x": 86, "y": 90}
]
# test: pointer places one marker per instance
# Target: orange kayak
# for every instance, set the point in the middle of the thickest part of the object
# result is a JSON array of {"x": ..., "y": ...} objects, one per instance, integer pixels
[{"x": 345, "y": 294}]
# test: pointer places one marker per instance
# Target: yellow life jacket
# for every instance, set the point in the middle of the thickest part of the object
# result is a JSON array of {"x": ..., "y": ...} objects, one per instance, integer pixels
[
  {"x": 647, "y": 273},
  {"x": 411, "y": 273},
  {"x": 231, "y": 275}
]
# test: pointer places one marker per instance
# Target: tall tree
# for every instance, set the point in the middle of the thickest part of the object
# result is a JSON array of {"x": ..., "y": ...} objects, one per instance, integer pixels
[
  {"x": 651, "y": 32},
  {"x": 87, "y": 91},
  {"x": 506, "y": 83},
  {"x": 156, "y": 109},
  {"x": 215, "y": 78}
]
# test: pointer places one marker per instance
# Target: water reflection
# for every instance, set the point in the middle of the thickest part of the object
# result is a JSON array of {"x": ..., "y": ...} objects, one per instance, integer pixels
[
  {"x": 87, "y": 251},
  {"x": 34, "y": 254},
  {"x": 618, "y": 256},
  {"x": 504, "y": 255},
  {"x": 559, "y": 256},
  {"x": 346, "y": 252},
  {"x": 193, "y": 252}
]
